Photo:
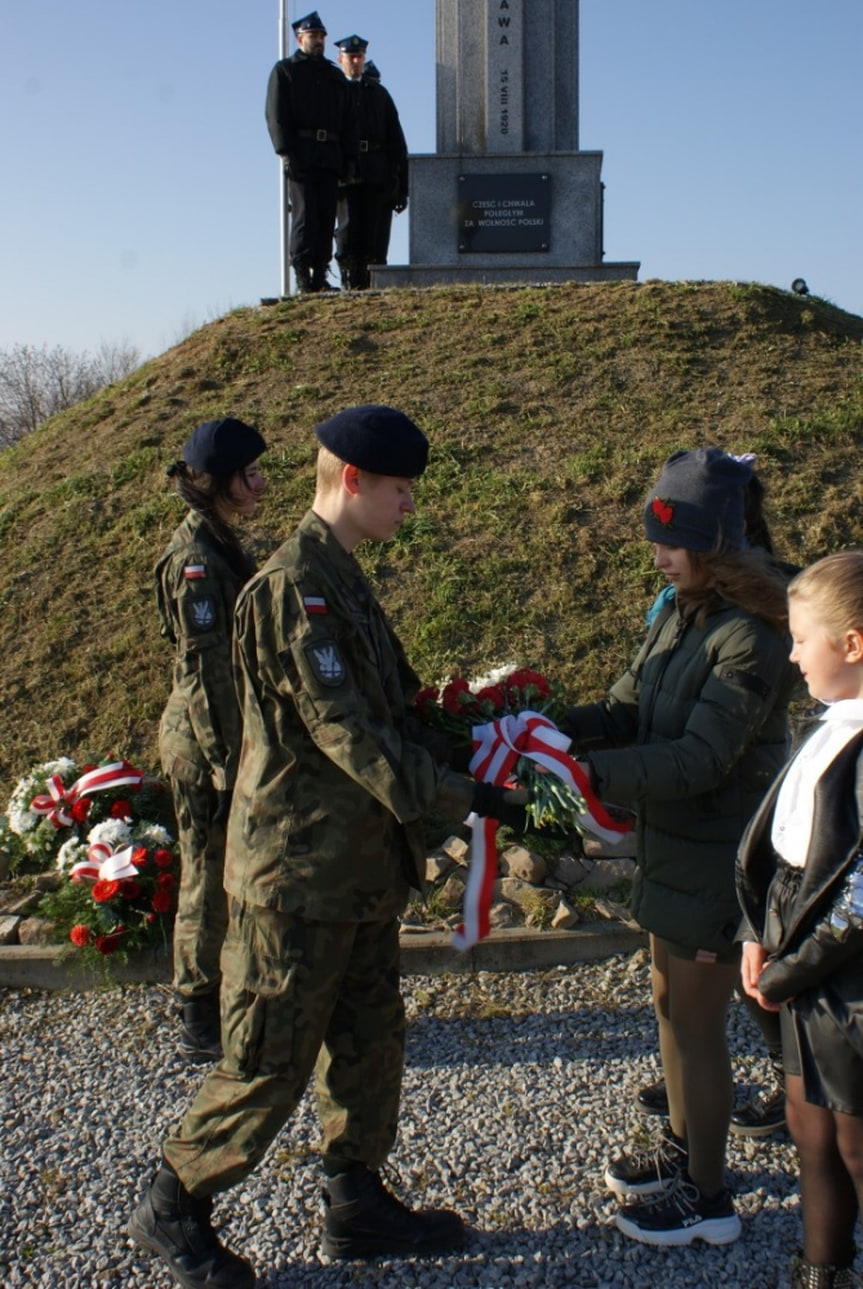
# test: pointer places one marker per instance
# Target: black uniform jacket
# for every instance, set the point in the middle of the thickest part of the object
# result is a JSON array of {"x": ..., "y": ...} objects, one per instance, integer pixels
[{"x": 307, "y": 115}]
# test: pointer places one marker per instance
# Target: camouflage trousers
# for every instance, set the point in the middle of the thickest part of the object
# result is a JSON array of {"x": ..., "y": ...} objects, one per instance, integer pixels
[
  {"x": 202, "y": 905},
  {"x": 298, "y": 997}
]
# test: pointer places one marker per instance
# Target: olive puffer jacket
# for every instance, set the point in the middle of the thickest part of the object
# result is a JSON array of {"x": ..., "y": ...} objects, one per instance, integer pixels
[{"x": 690, "y": 738}]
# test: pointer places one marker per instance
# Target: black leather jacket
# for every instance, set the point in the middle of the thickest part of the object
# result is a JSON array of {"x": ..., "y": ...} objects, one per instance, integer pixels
[{"x": 820, "y": 948}]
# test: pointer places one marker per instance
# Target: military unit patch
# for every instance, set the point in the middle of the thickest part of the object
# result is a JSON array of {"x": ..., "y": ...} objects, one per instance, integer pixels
[
  {"x": 326, "y": 663},
  {"x": 201, "y": 614},
  {"x": 314, "y": 604},
  {"x": 193, "y": 571}
]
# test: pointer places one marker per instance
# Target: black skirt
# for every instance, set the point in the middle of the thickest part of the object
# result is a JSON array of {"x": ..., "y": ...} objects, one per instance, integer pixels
[{"x": 814, "y": 1045}]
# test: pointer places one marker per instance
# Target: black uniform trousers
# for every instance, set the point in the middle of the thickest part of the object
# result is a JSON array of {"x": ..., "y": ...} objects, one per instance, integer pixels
[{"x": 313, "y": 218}]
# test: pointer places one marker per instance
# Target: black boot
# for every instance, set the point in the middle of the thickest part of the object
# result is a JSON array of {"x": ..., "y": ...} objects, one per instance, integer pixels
[
  {"x": 201, "y": 1033},
  {"x": 765, "y": 1113},
  {"x": 303, "y": 274},
  {"x": 320, "y": 281},
  {"x": 173, "y": 1224},
  {"x": 819, "y": 1275},
  {"x": 364, "y": 1220}
]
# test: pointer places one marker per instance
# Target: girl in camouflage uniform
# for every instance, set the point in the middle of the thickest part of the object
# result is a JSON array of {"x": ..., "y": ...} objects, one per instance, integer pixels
[{"x": 198, "y": 579}]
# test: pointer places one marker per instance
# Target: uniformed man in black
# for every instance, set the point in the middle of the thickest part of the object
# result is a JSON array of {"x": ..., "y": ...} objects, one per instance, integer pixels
[
  {"x": 307, "y": 106},
  {"x": 379, "y": 185},
  {"x": 381, "y": 248}
]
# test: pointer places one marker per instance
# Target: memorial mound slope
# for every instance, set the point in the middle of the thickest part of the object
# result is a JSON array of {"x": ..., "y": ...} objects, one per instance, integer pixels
[{"x": 549, "y": 410}]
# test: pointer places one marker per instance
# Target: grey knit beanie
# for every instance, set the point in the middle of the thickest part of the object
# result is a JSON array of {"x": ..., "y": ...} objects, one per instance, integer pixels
[{"x": 698, "y": 501}]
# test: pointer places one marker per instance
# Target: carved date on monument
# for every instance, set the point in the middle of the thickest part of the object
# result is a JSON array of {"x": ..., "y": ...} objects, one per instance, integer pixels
[{"x": 504, "y": 213}]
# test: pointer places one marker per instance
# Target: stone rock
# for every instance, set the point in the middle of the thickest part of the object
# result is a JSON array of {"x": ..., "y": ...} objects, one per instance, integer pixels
[
  {"x": 9, "y": 930},
  {"x": 451, "y": 894},
  {"x": 569, "y": 871},
  {"x": 501, "y": 915},
  {"x": 457, "y": 849},
  {"x": 35, "y": 931},
  {"x": 518, "y": 861},
  {"x": 609, "y": 872},
  {"x": 437, "y": 864},
  {"x": 596, "y": 848},
  {"x": 565, "y": 916},
  {"x": 49, "y": 881}
]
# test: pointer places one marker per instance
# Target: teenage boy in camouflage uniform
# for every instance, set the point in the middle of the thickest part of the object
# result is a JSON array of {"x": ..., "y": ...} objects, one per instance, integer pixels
[{"x": 324, "y": 842}]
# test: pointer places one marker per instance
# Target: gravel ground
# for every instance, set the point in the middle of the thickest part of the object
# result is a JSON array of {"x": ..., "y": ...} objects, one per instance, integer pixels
[{"x": 517, "y": 1087}]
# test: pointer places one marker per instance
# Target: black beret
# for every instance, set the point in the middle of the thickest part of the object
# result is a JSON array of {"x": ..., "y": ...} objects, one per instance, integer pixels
[
  {"x": 352, "y": 45},
  {"x": 223, "y": 446},
  {"x": 376, "y": 438},
  {"x": 311, "y": 22}
]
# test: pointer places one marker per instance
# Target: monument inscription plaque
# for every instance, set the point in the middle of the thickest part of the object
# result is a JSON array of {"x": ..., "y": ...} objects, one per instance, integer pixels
[{"x": 503, "y": 213}]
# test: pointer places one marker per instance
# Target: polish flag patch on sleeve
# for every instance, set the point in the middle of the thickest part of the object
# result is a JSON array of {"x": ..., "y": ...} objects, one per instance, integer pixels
[
  {"x": 193, "y": 571},
  {"x": 315, "y": 604}
]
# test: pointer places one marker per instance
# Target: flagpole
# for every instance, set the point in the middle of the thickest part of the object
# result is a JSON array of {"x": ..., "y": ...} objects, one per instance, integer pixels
[{"x": 284, "y": 205}]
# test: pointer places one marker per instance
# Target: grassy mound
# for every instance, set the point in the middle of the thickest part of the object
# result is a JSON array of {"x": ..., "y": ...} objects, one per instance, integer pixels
[{"x": 549, "y": 411}]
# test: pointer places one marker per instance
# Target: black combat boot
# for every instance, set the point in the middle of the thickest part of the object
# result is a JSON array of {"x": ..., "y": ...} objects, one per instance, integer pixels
[
  {"x": 320, "y": 281},
  {"x": 173, "y": 1224},
  {"x": 303, "y": 274},
  {"x": 819, "y": 1275},
  {"x": 362, "y": 278},
  {"x": 364, "y": 1220},
  {"x": 201, "y": 1032}
]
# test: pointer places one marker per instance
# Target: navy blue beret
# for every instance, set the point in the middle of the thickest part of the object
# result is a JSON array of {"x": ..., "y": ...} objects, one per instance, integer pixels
[
  {"x": 352, "y": 45},
  {"x": 376, "y": 438},
  {"x": 223, "y": 446},
  {"x": 311, "y": 22}
]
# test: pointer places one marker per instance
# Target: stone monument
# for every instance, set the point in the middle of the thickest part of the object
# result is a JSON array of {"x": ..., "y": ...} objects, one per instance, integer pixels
[{"x": 508, "y": 196}]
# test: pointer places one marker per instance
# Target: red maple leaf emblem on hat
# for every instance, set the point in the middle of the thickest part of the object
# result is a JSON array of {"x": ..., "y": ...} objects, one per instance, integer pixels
[{"x": 662, "y": 510}]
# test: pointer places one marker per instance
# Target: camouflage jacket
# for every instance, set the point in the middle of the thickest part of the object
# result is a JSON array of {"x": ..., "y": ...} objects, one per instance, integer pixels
[
  {"x": 325, "y": 821},
  {"x": 196, "y": 590}
]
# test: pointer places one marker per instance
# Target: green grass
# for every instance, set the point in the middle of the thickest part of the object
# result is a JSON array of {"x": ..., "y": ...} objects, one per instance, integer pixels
[{"x": 549, "y": 411}]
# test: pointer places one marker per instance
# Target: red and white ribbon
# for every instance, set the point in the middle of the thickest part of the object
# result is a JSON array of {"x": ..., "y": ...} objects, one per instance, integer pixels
[
  {"x": 57, "y": 802},
  {"x": 104, "y": 865},
  {"x": 496, "y": 749}
]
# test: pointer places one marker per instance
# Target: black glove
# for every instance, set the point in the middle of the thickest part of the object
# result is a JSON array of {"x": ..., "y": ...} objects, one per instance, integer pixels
[
  {"x": 292, "y": 171},
  {"x": 400, "y": 204},
  {"x": 223, "y": 807},
  {"x": 506, "y": 805}
]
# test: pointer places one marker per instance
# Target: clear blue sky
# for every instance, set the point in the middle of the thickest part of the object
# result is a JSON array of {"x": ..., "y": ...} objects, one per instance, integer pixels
[{"x": 140, "y": 191}]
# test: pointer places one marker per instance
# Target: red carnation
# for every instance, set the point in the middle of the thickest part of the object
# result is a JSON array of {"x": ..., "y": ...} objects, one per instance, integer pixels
[
  {"x": 139, "y": 856},
  {"x": 163, "y": 858},
  {"x": 80, "y": 935},
  {"x": 165, "y": 881},
  {"x": 130, "y": 889},
  {"x": 427, "y": 697},
  {"x": 161, "y": 901},
  {"x": 494, "y": 696},
  {"x": 108, "y": 943},
  {"x": 103, "y": 891},
  {"x": 457, "y": 697},
  {"x": 121, "y": 810},
  {"x": 80, "y": 809}
]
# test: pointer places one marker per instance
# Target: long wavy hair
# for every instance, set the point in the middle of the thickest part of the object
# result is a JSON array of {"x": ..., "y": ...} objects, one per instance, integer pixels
[
  {"x": 202, "y": 493},
  {"x": 750, "y": 578}
]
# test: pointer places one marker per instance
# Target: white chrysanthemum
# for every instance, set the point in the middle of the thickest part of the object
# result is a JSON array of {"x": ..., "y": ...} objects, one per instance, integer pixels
[
  {"x": 494, "y": 677},
  {"x": 21, "y": 818},
  {"x": 111, "y": 832},
  {"x": 70, "y": 853},
  {"x": 152, "y": 835}
]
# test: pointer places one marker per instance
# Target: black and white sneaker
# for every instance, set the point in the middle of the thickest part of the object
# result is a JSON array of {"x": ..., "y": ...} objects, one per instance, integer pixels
[
  {"x": 681, "y": 1215},
  {"x": 648, "y": 1171}
]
